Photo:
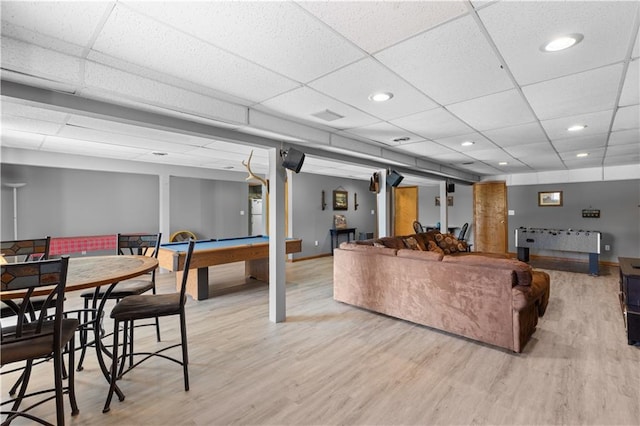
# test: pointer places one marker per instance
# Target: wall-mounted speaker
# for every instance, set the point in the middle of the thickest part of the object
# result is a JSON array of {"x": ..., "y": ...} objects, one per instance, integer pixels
[
  {"x": 293, "y": 159},
  {"x": 451, "y": 187},
  {"x": 394, "y": 178}
]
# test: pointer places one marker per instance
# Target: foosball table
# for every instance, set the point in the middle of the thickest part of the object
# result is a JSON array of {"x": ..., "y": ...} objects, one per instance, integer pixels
[{"x": 562, "y": 240}]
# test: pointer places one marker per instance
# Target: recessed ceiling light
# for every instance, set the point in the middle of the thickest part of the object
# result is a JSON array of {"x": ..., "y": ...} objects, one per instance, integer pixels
[
  {"x": 380, "y": 96},
  {"x": 502, "y": 163},
  {"x": 160, "y": 154},
  {"x": 467, "y": 143},
  {"x": 582, "y": 154},
  {"x": 561, "y": 43},
  {"x": 577, "y": 127}
]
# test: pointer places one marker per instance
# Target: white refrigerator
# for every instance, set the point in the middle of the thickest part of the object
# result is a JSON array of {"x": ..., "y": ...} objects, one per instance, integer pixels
[{"x": 256, "y": 217}]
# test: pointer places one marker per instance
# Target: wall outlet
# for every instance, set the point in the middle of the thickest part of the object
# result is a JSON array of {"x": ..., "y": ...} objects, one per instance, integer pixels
[
  {"x": 607, "y": 247},
  {"x": 241, "y": 212},
  {"x": 512, "y": 212},
  {"x": 373, "y": 212},
  {"x": 316, "y": 244},
  {"x": 84, "y": 252}
]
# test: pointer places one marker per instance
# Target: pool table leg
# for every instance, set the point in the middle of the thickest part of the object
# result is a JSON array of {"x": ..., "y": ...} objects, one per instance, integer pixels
[{"x": 197, "y": 283}]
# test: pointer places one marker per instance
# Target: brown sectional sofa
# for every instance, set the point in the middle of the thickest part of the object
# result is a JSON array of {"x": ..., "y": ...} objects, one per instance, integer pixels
[{"x": 489, "y": 298}]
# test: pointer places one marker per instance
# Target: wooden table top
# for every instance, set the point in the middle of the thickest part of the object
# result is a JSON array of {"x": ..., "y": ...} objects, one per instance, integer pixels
[{"x": 95, "y": 271}]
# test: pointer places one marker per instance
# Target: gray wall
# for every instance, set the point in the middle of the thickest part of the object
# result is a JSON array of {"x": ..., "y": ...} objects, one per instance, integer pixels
[
  {"x": 312, "y": 224},
  {"x": 618, "y": 201},
  {"x": 65, "y": 202},
  {"x": 69, "y": 202},
  {"x": 209, "y": 208}
]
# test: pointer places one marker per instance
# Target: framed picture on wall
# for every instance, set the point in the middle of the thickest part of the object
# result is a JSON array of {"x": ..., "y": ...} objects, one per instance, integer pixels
[
  {"x": 340, "y": 200},
  {"x": 550, "y": 199}
]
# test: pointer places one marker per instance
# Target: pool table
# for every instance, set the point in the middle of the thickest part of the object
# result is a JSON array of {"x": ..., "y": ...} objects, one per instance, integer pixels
[{"x": 253, "y": 250}]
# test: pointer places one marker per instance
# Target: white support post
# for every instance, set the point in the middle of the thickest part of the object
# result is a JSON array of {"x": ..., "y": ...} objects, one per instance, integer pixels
[
  {"x": 165, "y": 206},
  {"x": 444, "y": 212},
  {"x": 277, "y": 257},
  {"x": 382, "y": 200},
  {"x": 15, "y": 187}
]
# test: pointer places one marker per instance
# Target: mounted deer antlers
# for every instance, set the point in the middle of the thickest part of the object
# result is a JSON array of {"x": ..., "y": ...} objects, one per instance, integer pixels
[{"x": 252, "y": 175}]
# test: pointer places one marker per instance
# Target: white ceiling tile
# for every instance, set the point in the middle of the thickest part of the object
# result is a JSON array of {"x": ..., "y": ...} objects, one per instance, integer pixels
[
  {"x": 25, "y": 124},
  {"x": 302, "y": 103},
  {"x": 519, "y": 29},
  {"x": 623, "y": 137},
  {"x": 544, "y": 162},
  {"x": 277, "y": 35},
  {"x": 74, "y": 22},
  {"x": 453, "y": 158},
  {"x": 16, "y": 109},
  {"x": 586, "y": 142},
  {"x": 433, "y": 124},
  {"x": 382, "y": 132},
  {"x": 18, "y": 32},
  {"x": 133, "y": 87},
  {"x": 25, "y": 58},
  {"x": 374, "y": 25},
  {"x": 455, "y": 143},
  {"x": 83, "y": 147},
  {"x": 631, "y": 90},
  {"x": 596, "y": 122},
  {"x": 492, "y": 155},
  {"x": 424, "y": 149},
  {"x": 22, "y": 140},
  {"x": 622, "y": 160},
  {"x": 527, "y": 151},
  {"x": 494, "y": 111},
  {"x": 450, "y": 63},
  {"x": 620, "y": 150},
  {"x": 514, "y": 135},
  {"x": 161, "y": 48},
  {"x": 636, "y": 47},
  {"x": 482, "y": 168},
  {"x": 581, "y": 163},
  {"x": 627, "y": 118},
  {"x": 589, "y": 91},
  {"x": 348, "y": 86}
]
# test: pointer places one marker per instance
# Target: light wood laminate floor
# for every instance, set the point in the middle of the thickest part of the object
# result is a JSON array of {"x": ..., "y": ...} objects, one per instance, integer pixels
[{"x": 333, "y": 364}]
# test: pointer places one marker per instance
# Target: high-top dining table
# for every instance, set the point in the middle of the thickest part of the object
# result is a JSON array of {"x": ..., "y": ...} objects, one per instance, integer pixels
[{"x": 96, "y": 271}]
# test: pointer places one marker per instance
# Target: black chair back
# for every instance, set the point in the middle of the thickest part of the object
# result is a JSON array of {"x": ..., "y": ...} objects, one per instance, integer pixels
[
  {"x": 26, "y": 250},
  {"x": 187, "y": 263},
  {"x": 463, "y": 232},
  {"x": 417, "y": 227},
  {"x": 144, "y": 244}
]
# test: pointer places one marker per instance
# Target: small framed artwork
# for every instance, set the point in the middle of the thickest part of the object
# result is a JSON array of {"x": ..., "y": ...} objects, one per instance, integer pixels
[
  {"x": 550, "y": 199},
  {"x": 340, "y": 200},
  {"x": 339, "y": 221},
  {"x": 449, "y": 200}
]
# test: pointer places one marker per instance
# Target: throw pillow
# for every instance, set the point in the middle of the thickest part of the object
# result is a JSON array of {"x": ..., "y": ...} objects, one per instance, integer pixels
[
  {"x": 448, "y": 243},
  {"x": 433, "y": 246},
  {"x": 412, "y": 243}
]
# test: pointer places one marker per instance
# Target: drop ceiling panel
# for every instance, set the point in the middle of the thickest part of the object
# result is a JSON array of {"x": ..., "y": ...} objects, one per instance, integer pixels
[
  {"x": 276, "y": 35},
  {"x": 24, "y": 124},
  {"x": 21, "y": 33},
  {"x": 22, "y": 140},
  {"x": 582, "y": 143},
  {"x": 623, "y": 137},
  {"x": 581, "y": 93},
  {"x": 32, "y": 60},
  {"x": 162, "y": 48},
  {"x": 433, "y": 124},
  {"x": 383, "y": 132},
  {"x": 544, "y": 163},
  {"x": 302, "y": 103},
  {"x": 631, "y": 90},
  {"x": 627, "y": 118},
  {"x": 374, "y": 25},
  {"x": 450, "y": 63},
  {"x": 570, "y": 156},
  {"x": 519, "y": 29},
  {"x": 494, "y": 111},
  {"x": 425, "y": 149},
  {"x": 596, "y": 122},
  {"x": 73, "y": 22},
  {"x": 154, "y": 93},
  {"x": 525, "y": 152},
  {"x": 15, "y": 109},
  {"x": 455, "y": 143},
  {"x": 348, "y": 86},
  {"x": 622, "y": 150},
  {"x": 491, "y": 156},
  {"x": 515, "y": 135},
  {"x": 83, "y": 147}
]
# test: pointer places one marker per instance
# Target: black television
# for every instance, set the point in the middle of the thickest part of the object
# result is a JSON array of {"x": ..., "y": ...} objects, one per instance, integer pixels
[{"x": 394, "y": 178}]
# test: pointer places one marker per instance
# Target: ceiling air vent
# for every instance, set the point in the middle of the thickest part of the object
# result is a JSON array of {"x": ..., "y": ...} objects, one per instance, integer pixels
[{"x": 327, "y": 115}]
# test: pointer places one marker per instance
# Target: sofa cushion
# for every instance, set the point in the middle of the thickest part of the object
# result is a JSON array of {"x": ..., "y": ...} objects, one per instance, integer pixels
[
  {"x": 391, "y": 242},
  {"x": 368, "y": 249},
  {"x": 420, "y": 255},
  {"x": 522, "y": 270}
]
